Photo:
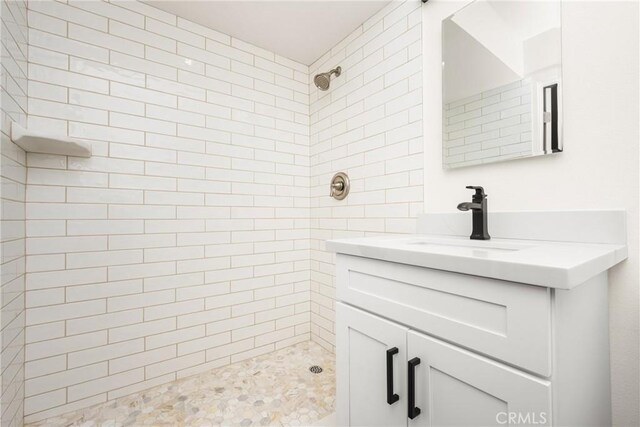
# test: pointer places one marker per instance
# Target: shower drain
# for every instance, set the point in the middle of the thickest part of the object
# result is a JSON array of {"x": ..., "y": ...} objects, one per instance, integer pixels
[{"x": 315, "y": 369}]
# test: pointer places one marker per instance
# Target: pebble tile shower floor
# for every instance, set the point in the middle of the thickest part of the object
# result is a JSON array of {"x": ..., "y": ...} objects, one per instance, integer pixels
[{"x": 275, "y": 389}]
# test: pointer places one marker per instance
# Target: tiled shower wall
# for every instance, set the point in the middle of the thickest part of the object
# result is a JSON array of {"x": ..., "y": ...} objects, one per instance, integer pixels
[
  {"x": 491, "y": 126},
  {"x": 368, "y": 124},
  {"x": 12, "y": 193},
  {"x": 183, "y": 243}
]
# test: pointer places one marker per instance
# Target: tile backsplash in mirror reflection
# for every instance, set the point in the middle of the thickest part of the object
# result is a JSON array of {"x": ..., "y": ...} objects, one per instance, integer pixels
[{"x": 491, "y": 126}]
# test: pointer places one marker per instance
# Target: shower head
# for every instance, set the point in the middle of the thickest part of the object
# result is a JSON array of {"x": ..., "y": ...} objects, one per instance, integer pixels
[{"x": 322, "y": 80}]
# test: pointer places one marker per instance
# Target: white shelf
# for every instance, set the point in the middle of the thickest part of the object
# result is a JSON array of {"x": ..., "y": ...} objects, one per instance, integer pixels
[{"x": 42, "y": 142}]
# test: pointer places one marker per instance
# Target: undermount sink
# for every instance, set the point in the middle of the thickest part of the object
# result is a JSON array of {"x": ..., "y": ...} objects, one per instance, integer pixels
[{"x": 486, "y": 245}]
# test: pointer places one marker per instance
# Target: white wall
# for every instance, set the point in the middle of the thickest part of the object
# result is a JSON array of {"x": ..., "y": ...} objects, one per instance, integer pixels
[
  {"x": 462, "y": 80},
  {"x": 13, "y": 177},
  {"x": 369, "y": 125},
  {"x": 597, "y": 170},
  {"x": 183, "y": 243}
]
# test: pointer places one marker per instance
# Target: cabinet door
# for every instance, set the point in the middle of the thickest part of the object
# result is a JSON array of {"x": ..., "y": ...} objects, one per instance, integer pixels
[
  {"x": 454, "y": 387},
  {"x": 364, "y": 343}
]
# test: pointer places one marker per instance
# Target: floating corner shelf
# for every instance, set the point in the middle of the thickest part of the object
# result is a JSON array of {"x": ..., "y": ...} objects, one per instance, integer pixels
[{"x": 42, "y": 142}]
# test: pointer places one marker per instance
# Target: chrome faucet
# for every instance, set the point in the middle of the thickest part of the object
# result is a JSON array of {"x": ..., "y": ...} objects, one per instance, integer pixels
[{"x": 478, "y": 207}]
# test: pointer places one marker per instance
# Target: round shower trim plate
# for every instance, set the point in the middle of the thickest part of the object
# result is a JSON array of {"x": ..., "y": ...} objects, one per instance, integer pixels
[{"x": 339, "y": 186}]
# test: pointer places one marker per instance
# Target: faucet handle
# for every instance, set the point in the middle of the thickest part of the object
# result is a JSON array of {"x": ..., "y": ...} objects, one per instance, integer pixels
[{"x": 479, "y": 190}]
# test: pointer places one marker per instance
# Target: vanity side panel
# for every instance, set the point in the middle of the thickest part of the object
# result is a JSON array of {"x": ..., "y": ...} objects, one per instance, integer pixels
[{"x": 581, "y": 375}]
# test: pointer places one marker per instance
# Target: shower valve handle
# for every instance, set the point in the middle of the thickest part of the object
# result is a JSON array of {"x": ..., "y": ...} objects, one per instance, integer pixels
[{"x": 339, "y": 187}]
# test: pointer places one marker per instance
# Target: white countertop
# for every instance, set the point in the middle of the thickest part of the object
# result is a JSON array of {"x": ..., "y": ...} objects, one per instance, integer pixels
[{"x": 561, "y": 265}]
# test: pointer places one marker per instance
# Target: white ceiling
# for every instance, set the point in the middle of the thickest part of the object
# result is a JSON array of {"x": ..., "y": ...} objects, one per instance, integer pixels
[{"x": 302, "y": 30}]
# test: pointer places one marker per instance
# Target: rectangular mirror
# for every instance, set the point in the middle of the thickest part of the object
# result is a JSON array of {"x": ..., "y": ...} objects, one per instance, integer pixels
[{"x": 502, "y": 86}]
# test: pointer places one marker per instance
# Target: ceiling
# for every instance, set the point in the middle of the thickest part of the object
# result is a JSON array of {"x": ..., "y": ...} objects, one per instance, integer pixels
[{"x": 301, "y": 30}]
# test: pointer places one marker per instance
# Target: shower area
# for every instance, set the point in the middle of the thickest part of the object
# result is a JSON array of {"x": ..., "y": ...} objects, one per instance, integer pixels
[{"x": 173, "y": 270}]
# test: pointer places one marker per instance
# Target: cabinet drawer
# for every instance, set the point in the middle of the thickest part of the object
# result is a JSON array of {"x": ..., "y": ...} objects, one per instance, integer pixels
[{"x": 505, "y": 320}]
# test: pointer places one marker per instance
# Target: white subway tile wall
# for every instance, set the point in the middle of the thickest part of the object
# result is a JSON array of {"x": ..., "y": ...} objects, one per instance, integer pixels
[
  {"x": 491, "y": 126},
  {"x": 13, "y": 174},
  {"x": 194, "y": 237},
  {"x": 368, "y": 124},
  {"x": 184, "y": 242}
]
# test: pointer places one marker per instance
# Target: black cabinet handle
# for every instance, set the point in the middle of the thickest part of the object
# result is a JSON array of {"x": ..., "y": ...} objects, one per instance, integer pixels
[
  {"x": 391, "y": 397},
  {"x": 413, "y": 410}
]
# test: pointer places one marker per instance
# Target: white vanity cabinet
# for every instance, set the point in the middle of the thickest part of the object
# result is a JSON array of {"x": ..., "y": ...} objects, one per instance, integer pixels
[
  {"x": 436, "y": 330},
  {"x": 453, "y": 387}
]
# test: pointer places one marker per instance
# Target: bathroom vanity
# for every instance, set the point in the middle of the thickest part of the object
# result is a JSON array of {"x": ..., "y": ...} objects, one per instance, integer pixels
[{"x": 438, "y": 330}]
